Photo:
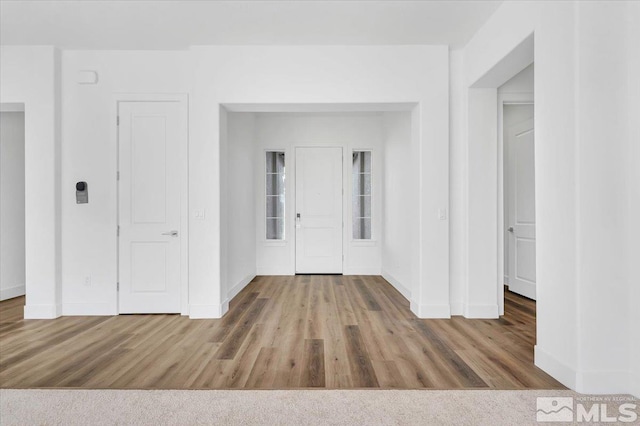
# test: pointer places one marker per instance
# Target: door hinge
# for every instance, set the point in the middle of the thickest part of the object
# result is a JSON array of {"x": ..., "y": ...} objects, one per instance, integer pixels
[
  {"x": 118, "y": 231},
  {"x": 118, "y": 175},
  {"x": 117, "y": 120},
  {"x": 118, "y": 286}
]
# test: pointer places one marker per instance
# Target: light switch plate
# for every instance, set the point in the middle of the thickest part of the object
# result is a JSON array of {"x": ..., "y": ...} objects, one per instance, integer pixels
[
  {"x": 442, "y": 214},
  {"x": 199, "y": 214}
]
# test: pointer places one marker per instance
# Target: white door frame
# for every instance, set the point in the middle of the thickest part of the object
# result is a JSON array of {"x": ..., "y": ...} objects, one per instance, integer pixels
[
  {"x": 344, "y": 194},
  {"x": 504, "y": 99},
  {"x": 183, "y": 99}
]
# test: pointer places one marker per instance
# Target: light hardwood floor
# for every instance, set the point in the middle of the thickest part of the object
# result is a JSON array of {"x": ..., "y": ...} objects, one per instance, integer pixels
[{"x": 280, "y": 332}]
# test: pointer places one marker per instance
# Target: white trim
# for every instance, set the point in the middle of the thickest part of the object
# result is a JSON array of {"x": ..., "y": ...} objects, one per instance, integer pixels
[
  {"x": 362, "y": 270},
  {"x": 274, "y": 270},
  {"x": 457, "y": 307},
  {"x": 481, "y": 311},
  {"x": 83, "y": 309},
  {"x": 430, "y": 311},
  {"x": 42, "y": 311},
  {"x": 526, "y": 98},
  {"x": 233, "y": 292},
  {"x": 11, "y": 107},
  {"x": 603, "y": 382},
  {"x": 11, "y": 292},
  {"x": 523, "y": 288},
  {"x": 556, "y": 369},
  {"x": 405, "y": 291},
  {"x": 634, "y": 384},
  {"x": 590, "y": 382},
  {"x": 183, "y": 99},
  {"x": 204, "y": 311}
]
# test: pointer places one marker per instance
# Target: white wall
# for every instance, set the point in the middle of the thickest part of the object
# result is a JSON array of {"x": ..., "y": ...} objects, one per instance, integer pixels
[
  {"x": 12, "y": 266},
  {"x": 322, "y": 74},
  {"x": 30, "y": 76},
  {"x": 351, "y": 131},
  {"x": 238, "y": 176},
  {"x": 602, "y": 197},
  {"x": 581, "y": 183},
  {"x": 633, "y": 208},
  {"x": 400, "y": 250},
  {"x": 89, "y": 154}
]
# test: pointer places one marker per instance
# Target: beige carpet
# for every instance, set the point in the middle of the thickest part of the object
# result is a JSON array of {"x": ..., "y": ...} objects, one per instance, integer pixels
[{"x": 291, "y": 407}]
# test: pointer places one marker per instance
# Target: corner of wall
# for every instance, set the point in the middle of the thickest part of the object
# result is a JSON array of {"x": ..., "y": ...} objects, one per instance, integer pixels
[
  {"x": 425, "y": 311},
  {"x": 404, "y": 290},
  {"x": 11, "y": 292},
  {"x": 555, "y": 368},
  {"x": 42, "y": 311},
  {"x": 481, "y": 311},
  {"x": 205, "y": 311},
  {"x": 233, "y": 292}
]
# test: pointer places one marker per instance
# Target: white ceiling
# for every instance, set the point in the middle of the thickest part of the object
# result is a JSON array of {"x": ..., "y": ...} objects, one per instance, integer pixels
[{"x": 165, "y": 24}]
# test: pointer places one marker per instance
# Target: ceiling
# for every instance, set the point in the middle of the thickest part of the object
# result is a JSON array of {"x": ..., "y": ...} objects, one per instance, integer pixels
[{"x": 166, "y": 24}]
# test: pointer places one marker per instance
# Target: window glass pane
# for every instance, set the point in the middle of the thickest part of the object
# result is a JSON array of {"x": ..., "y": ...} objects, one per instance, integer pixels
[
  {"x": 361, "y": 195},
  {"x": 362, "y": 229},
  {"x": 275, "y": 162},
  {"x": 275, "y": 229},
  {"x": 275, "y": 184},
  {"x": 275, "y": 207},
  {"x": 275, "y": 195}
]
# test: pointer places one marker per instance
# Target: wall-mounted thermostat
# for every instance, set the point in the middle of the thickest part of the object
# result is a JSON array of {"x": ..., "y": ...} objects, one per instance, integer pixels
[{"x": 82, "y": 193}]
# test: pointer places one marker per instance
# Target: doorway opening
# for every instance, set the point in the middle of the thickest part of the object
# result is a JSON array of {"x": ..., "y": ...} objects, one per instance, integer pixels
[
  {"x": 12, "y": 201},
  {"x": 318, "y": 189},
  {"x": 516, "y": 130}
]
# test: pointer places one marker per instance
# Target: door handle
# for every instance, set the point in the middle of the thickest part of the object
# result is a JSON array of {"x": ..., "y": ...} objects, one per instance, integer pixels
[
  {"x": 510, "y": 229},
  {"x": 171, "y": 233}
]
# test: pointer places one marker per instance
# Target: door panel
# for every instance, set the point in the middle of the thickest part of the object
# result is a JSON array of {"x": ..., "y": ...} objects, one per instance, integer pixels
[
  {"x": 522, "y": 223},
  {"x": 150, "y": 136},
  {"x": 319, "y": 206}
]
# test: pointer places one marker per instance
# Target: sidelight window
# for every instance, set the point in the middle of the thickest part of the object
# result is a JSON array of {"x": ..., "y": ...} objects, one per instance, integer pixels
[
  {"x": 361, "y": 195},
  {"x": 275, "y": 195}
]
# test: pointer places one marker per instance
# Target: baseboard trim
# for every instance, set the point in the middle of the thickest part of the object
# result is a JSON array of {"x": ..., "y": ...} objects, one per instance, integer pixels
[
  {"x": 481, "y": 311},
  {"x": 42, "y": 311},
  {"x": 457, "y": 308},
  {"x": 361, "y": 271},
  {"x": 11, "y": 292},
  {"x": 397, "y": 285},
  {"x": 635, "y": 384},
  {"x": 268, "y": 271},
  {"x": 556, "y": 369},
  {"x": 233, "y": 292},
  {"x": 604, "y": 382},
  {"x": 204, "y": 312},
  {"x": 89, "y": 309},
  {"x": 430, "y": 311}
]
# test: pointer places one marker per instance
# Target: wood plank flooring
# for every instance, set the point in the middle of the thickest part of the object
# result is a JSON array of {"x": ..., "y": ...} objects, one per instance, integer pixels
[{"x": 279, "y": 333}]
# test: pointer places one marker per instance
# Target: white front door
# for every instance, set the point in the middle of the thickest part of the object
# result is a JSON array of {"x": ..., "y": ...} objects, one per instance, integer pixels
[
  {"x": 150, "y": 138},
  {"x": 521, "y": 225},
  {"x": 318, "y": 210}
]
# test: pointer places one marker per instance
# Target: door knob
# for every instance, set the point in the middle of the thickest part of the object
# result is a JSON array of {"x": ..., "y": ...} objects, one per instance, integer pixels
[
  {"x": 510, "y": 229},
  {"x": 171, "y": 233}
]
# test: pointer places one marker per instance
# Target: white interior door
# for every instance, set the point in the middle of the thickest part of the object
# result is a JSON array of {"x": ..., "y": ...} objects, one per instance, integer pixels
[
  {"x": 150, "y": 135},
  {"x": 318, "y": 210},
  {"x": 521, "y": 225}
]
